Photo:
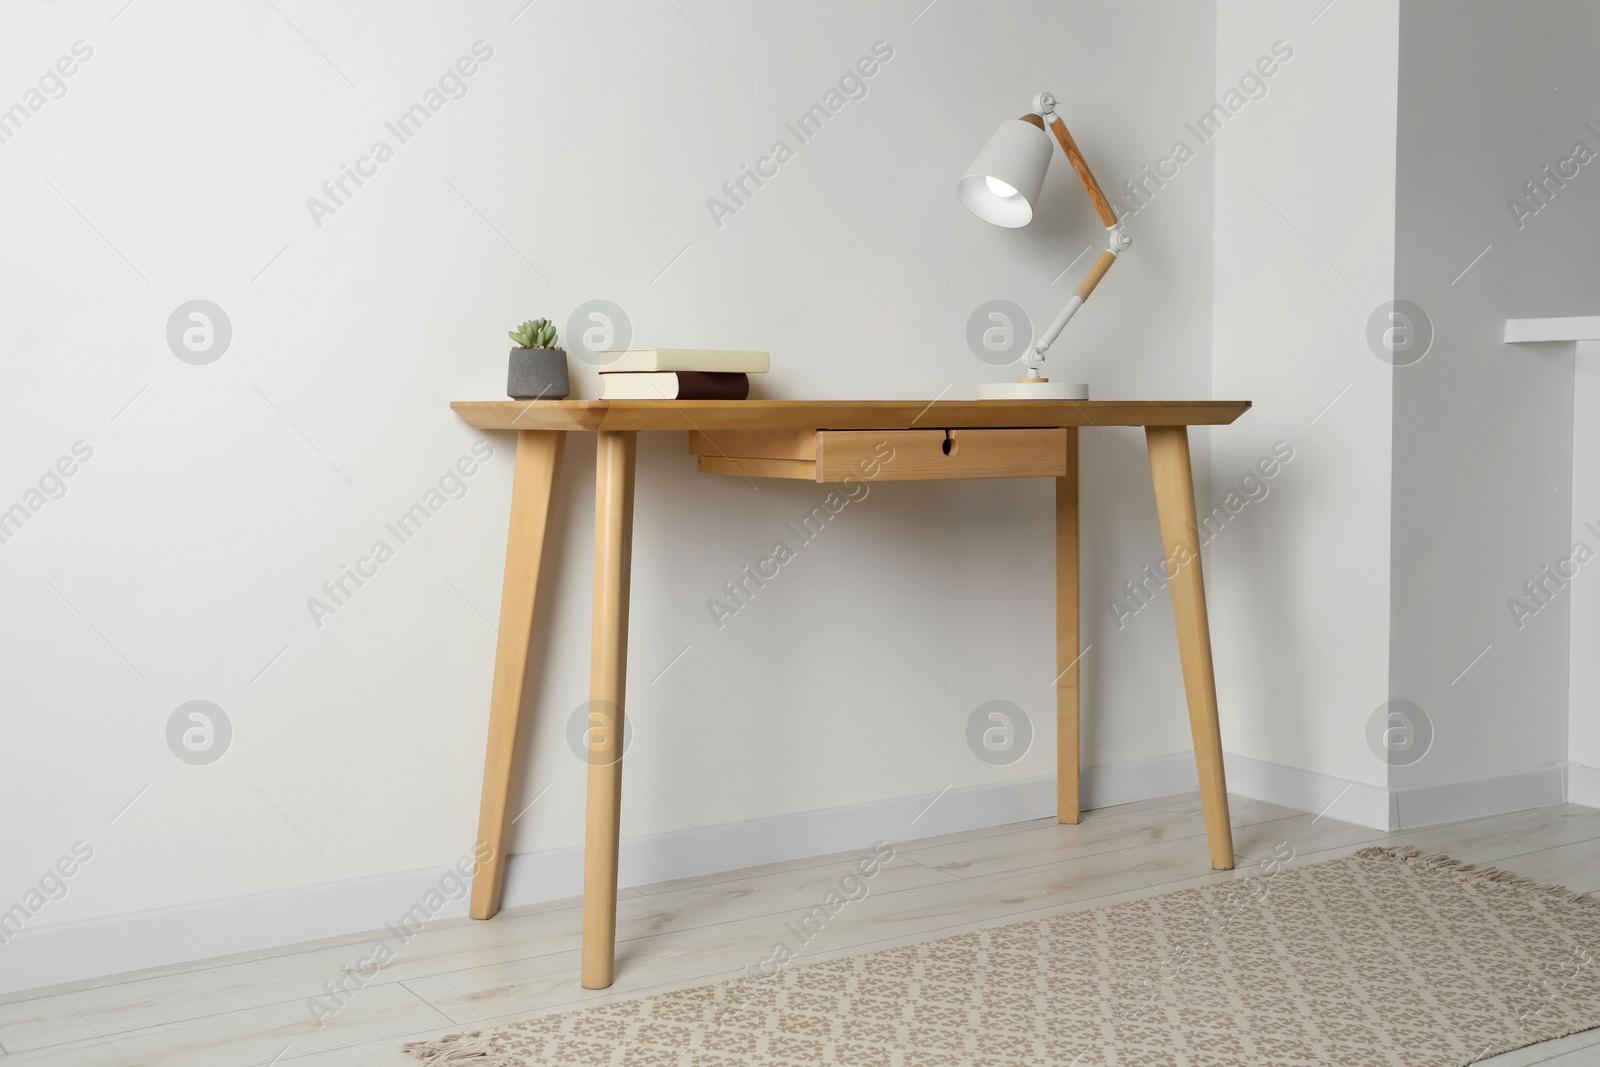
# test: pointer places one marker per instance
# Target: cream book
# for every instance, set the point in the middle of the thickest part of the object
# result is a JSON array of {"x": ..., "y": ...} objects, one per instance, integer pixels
[
  {"x": 677, "y": 385},
  {"x": 713, "y": 360}
]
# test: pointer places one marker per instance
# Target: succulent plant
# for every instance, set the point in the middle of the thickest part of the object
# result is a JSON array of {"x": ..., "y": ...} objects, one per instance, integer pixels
[{"x": 535, "y": 333}]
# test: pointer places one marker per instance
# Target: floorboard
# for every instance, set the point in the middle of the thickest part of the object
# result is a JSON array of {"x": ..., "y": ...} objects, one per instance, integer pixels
[{"x": 257, "y": 1009}]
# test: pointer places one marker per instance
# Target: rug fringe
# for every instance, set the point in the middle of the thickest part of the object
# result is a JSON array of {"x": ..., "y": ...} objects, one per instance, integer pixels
[
  {"x": 469, "y": 1049},
  {"x": 1413, "y": 856}
]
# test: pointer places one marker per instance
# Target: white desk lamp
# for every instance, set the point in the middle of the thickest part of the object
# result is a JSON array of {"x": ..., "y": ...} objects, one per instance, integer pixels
[{"x": 1001, "y": 186}]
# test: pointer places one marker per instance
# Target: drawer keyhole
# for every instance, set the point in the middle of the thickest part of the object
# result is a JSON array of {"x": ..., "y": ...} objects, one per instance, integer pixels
[{"x": 949, "y": 445}]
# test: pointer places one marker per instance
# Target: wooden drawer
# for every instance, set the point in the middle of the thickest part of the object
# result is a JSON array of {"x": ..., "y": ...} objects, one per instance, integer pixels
[
  {"x": 919, "y": 455},
  {"x": 883, "y": 455}
]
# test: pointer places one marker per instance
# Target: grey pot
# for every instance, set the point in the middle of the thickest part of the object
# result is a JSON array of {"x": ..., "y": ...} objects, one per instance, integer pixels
[{"x": 538, "y": 374}]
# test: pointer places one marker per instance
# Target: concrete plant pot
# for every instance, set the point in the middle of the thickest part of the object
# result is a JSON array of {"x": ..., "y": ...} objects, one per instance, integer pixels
[{"x": 538, "y": 374}]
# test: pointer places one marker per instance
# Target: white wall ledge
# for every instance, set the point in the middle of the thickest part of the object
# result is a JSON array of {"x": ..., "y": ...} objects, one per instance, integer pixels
[{"x": 1582, "y": 328}]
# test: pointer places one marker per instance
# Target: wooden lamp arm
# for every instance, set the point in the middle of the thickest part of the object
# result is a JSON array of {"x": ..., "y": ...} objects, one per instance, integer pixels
[
  {"x": 1085, "y": 175},
  {"x": 1048, "y": 338},
  {"x": 1080, "y": 166},
  {"x": 1096, "y": 272},
  {"x": 1044, "y": 114}
]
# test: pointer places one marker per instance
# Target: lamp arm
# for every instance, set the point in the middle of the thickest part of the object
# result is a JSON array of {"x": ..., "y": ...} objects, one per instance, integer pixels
[
  {"x": 1086, "y": 287},
  {"x": 1080, "y": 166},
  {"x": 1044, "y": 105}
]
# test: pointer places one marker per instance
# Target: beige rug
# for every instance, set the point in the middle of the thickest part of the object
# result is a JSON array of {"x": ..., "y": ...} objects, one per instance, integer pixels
[{"x": 1382, "y": 958}]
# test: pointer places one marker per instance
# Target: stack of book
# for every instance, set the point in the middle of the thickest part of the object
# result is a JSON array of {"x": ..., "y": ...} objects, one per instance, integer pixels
[{"x": 681, "y": 374}]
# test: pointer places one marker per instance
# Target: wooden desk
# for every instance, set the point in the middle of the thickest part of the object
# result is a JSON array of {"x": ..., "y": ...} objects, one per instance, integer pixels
[{"x": 822, "y": 441}]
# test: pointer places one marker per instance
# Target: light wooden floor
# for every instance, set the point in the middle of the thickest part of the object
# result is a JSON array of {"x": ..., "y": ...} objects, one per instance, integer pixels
[{"x": 459, "y": 974}]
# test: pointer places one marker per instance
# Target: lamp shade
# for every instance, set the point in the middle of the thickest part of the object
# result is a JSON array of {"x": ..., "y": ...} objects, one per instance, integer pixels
[{"x": 1002, "y": 184}]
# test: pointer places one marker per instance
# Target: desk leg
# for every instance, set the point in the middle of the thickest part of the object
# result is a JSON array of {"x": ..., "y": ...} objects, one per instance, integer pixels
[
  {"x": 533, "y": 492},
  {"x": 1174, "y": 483},
  {"x": 1067, "y": 653},
  {"x": 608, "y": 670}
]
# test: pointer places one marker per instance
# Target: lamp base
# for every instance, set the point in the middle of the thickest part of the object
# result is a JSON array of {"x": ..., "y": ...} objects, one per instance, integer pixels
[{"x": 1033, "y": 389}]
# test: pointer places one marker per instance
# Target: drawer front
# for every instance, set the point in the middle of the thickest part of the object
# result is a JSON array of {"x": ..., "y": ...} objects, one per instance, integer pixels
[{"x": 923, "y": 455}]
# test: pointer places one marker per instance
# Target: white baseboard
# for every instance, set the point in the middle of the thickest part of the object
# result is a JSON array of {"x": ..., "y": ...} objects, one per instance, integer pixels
[
  {"x": 73, "y": 951},
  {"x": 536, "y": 877},
  {"x": 1416, "y": 807},
  {"x": 262, "y": 923},
  {"x": 1430, "y": 805},
  {"x": 1319, "y": 794},
  {"x": 1583, "y": 785},
  {"x": 55, "y": 953}
]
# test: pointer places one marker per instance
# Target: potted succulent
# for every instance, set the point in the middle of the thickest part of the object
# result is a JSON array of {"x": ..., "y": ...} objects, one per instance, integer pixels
[{"x": 538, "y": 367}]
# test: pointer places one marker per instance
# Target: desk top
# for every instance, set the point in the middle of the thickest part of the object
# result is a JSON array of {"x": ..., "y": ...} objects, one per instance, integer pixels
[{"x": 839, "y": 414}]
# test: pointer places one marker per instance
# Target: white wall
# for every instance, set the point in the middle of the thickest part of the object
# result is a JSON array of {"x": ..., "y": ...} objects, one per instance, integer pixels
[
  {"x": 1583, "y": 733},
  {"x": 1421, "y": 496},
  {"x": 1484, "y": 495},
  {"x": 577, "y": 166},
  {"x": 176, "y": 562},
  {"x": 1304, "y": 253}
]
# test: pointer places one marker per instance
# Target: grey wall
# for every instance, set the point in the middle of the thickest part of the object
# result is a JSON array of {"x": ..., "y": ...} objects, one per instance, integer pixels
[{"x": 1482, "y": 430}]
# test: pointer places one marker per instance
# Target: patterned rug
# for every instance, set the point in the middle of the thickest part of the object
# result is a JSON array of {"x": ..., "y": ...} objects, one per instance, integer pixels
[{"x": 1385, "y": 957}]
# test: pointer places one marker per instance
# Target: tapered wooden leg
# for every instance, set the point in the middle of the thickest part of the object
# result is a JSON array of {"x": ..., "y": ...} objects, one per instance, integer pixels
[
  {"x": 1067, "y": 654},
  {"x": 1174, "y": 483},
  {"x": 608, "y": 669},
  {"x": 533, "y": 493}
]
